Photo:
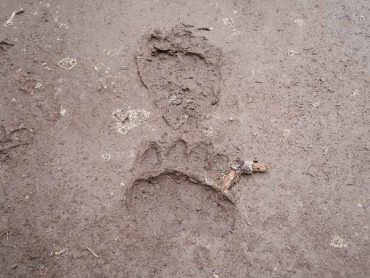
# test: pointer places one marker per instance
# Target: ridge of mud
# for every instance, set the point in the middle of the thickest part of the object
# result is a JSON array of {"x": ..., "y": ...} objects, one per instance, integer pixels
[{"x": 182, "y": 73}]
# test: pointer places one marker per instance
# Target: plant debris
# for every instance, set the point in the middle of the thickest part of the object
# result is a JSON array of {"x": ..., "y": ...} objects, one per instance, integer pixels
[
  {"x": 92, "y": 252},
  {"x": 238, "y": 168},
  {"x": 11, "y": 18}
]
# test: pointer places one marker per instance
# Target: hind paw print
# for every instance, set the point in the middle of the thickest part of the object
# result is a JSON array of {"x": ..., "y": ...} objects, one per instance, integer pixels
[
  {"x": 174, "y": 188},
  {"x": 178, "y": 207}
]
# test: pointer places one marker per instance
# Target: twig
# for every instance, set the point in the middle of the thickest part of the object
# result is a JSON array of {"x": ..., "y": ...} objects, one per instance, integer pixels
[
  {"x": 20, "y": 128},
  {"x": 14, "y": 266},
  {"x": 259, "y": 167},
  {"x": 239, "y": 167},
  {"x": 91, "y": 251},
  {"x": 139, "y": 73},
  {"x": 15, "y": 146},
  {"x": 228, "y": 180},
  {"x": 204, "y": 28},
  {"x": 11, "y": 18},
  {"x": 7, "y": 246},
  {"x": 248, "y": 223}
]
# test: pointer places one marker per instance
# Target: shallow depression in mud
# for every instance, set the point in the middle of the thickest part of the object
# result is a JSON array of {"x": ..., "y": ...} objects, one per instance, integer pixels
[
  {"x": 172, "y": 204},
  {"x": 182, "y": 73}
]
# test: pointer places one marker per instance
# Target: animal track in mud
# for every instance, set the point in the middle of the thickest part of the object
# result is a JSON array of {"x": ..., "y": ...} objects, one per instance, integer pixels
[
  {"x": 182, "y": 73},
  {"x": 9, "y": 141},
  {"x": 174, "y": 205}
]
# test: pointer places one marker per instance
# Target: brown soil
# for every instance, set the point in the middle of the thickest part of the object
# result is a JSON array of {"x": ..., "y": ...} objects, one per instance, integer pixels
[
  {"x": 182, "y": 73},
  {"x": 117, "y": 120}
]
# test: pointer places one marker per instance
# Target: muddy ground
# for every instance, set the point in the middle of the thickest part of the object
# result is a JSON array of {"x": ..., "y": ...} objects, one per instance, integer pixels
[{"x": 117, "y": 116}]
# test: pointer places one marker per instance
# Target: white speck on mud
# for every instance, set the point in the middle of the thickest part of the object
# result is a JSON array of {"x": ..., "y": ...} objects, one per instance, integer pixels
[
  {"x": 299, "y": 22},
  {"x": 38, "y": 85},
  {"x": 63, "y": 25},
  {"x": 286, "y": 134},
  {"x": 67, "y": 63},
  {"x": 62, "y": 111},
  {"x": 316, "y": 104},
  {"x": 127, "y": 120},
  {"x": 227, "y": 21},
  {"x": 292, "y": 52},
  {"x": 132, "y": 154},
  {"x": 338, "y": 242},
  {"x": 58, "y": 253},
  {"x": 106, "y": 156},
  {"x": 209, "y": 132}
]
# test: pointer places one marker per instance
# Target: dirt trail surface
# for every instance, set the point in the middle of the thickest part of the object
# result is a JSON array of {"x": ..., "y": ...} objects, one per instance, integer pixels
[{"x": 117, "y": 118}]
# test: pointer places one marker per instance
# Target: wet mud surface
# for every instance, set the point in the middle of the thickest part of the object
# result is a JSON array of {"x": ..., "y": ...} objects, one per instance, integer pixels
[
  {"x": 118, "y": 120},
  {"x": 182, "y": 73}
]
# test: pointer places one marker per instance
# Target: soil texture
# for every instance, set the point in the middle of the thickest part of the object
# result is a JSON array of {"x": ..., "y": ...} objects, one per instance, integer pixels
[{"x": 119, "y": 118}]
